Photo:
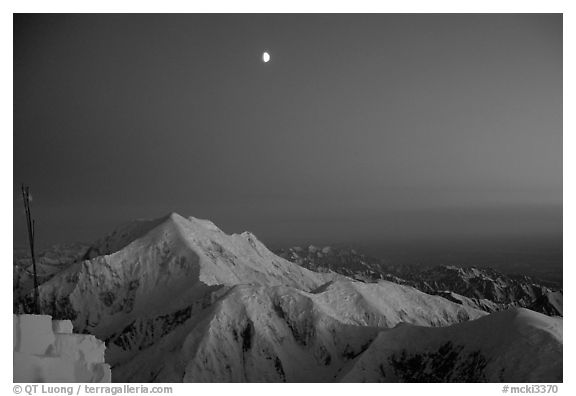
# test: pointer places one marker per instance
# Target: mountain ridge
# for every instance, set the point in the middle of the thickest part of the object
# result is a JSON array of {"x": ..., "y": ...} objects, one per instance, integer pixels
[
  {"x": 482, "y": 288},
  {"x": 176, "y": 299}
]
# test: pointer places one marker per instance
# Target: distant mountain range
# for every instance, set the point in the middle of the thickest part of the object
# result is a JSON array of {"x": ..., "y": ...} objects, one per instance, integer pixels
[
  {"x": 481, "y": 288},
  {"x": 176, "y": 299}
]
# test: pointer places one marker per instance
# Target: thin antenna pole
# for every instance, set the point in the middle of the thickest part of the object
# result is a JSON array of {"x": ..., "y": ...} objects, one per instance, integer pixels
[{"x": 30, "y": 223}]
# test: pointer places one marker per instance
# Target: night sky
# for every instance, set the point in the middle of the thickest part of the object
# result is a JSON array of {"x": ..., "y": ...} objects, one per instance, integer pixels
[{"x": 361, "y": 127}]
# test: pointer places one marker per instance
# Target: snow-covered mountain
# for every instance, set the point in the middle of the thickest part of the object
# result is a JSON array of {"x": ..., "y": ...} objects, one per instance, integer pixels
[
  {"x": 482, "y": 288},
  {"x": 346, "y": 261},
  {"x": 261, "y": 333},
  {"x": 177, "y": 260},
  {"x": 507, "y": 346},
  {"x": 49, "y": 262},
  {"x": 176, "y": 299}
]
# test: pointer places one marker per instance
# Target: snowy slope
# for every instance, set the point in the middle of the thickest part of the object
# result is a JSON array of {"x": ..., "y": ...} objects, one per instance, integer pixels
[
  {"x": 122, "y": 236},
  {"x": 482, "y": 304},
  {"x": 481, "y": 288},
  {"x": 480, "y": 283},
  {"x": 550, "y": 303},
  {"x": 517, "y": 345},
  {"x": 176, "y": 299},
  {"x": 348, "y": 262},
  {"x": 178, "y": 261},
  {"x": 49, "y": 262},
  {"x": 134, "y": 296},
  {"x": 259, "y": 333}
]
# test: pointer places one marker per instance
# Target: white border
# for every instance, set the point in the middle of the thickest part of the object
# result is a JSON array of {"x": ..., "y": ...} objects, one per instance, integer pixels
[{"x": 438, "y": 6}]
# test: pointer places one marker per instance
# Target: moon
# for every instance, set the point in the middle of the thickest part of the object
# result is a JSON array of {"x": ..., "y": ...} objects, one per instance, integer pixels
[{"x": 266, "y": 57}]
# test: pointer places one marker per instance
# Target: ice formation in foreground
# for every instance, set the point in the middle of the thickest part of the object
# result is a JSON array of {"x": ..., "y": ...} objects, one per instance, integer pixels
[{"x": 46, "y": 350}]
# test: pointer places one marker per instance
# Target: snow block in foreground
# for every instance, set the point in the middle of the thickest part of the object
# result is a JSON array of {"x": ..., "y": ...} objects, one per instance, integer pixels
[
  {"x": 62, "y": 326},
  {"x": 46, "y": 350}
]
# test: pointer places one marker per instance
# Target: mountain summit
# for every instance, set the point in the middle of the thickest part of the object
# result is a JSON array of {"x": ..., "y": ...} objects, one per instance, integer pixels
[{"x": 176, "y": 299}]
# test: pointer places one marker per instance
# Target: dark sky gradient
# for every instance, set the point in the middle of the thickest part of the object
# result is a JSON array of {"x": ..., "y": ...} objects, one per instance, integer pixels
[{"x": 362, "y": 127}]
